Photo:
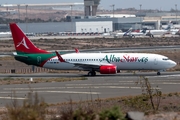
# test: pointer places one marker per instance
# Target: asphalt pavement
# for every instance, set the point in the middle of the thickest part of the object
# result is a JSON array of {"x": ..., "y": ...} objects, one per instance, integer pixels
[{"x": 100, "y": 86}]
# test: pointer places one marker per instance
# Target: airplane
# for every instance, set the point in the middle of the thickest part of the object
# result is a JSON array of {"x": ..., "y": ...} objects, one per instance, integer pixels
[
  {"x": 123, "y": 34},
  {"x": 174, "y": 31},
  {"x": 105, "y": 63},
  {"x": 161, "y": 32},
  {"x": 131, "y": 34},
  {"x": 141, "y": 33},
  {"x": 174, "y": 28}
]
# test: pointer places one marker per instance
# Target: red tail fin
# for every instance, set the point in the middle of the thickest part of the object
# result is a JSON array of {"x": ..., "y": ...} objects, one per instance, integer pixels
[{"x": 21, "y": 42}]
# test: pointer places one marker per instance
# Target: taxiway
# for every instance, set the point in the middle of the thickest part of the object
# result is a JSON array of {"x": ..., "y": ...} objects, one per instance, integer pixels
[{"x": 101, "y": 86}]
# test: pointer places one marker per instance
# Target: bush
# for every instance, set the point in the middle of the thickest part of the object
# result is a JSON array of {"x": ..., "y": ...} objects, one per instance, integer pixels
[
  {"x": 140, "y": 103},
  {"x": 81, "y": 114},
  {"x": 72, "y": 113},
  {"x": 111, "y": 114},
  {"x": 32, "y": 109}
]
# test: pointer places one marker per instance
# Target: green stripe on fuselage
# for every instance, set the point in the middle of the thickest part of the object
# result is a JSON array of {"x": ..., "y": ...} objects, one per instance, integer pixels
[{"x": 35, "y": 59}]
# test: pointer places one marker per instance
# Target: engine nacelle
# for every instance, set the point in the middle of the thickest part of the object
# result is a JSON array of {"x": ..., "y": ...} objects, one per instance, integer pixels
[{"x": 108, "y": 69}]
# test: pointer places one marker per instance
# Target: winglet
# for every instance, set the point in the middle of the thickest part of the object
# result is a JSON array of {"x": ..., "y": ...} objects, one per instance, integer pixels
[
  {"x": 59, "y": 57},
  {"x": 77, "y": 51}
]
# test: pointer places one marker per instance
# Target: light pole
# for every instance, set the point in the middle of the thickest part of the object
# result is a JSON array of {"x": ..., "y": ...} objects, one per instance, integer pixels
[
  {"x": 176, "y": 12},
  {"x": 26, "y": 18},
  {"x": 71, "y": 17},
  {"x": 113, "y": 9},
  {"x": 140, "y": 8},
  {"x": 19, "y": 10},
  {"x": 140, "y": 15},
  {"x": 71, "y": 10}
]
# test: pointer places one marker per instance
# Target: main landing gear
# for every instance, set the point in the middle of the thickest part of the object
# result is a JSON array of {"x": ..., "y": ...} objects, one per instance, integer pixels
[
  {"x": 91, "y": 73},
  {"x": 158, "y": 73}
]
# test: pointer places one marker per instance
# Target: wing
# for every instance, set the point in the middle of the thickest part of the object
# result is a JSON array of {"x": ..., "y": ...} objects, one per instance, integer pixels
[
  {"x": 88, "y": 65},
  {"x": 94, "y": 65}
]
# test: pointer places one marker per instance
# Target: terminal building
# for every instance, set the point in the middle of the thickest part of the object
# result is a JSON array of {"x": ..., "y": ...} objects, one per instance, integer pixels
[
  {"x": 141, "y": 20},
  {"x": 138, "y": 21},
  {"x": 103, "y": 24},
  {"x": 92, "y": 22}
]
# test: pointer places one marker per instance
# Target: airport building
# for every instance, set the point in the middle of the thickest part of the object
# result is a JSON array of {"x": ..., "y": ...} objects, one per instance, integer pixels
[
  {"x": 101, "y": 24},
  {"x": 126, "y": 21},
  {"x": 118, "y": 23},
  {"x": 92, "y": 22},
  {"x": 67, "y": 27},
  {"x": 4, "y": 28}
]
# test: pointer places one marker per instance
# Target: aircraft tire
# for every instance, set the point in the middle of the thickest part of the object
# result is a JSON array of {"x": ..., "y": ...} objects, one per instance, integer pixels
[
  {"x": 133, "y": 36},
  {"x": 158, "y": 73},
  {"x": 92, "y": 73}
]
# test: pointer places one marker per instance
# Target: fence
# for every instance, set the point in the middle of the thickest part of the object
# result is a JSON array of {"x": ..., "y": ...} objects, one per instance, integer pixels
[{"x": 27, "y": 70}]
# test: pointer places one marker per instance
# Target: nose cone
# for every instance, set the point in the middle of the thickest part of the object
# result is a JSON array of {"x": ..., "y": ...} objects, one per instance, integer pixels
[{"x": 172, "y": 63}]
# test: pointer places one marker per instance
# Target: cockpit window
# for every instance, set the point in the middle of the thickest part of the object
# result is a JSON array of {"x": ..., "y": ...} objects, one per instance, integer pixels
[{"x": 165, "y": 59}]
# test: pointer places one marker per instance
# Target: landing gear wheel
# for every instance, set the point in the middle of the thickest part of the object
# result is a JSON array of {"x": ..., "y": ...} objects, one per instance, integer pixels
[
  {"x": 92, "y": 73},
  {"x": 158, "y": 73},
  {"x": 152, "y": 36}
]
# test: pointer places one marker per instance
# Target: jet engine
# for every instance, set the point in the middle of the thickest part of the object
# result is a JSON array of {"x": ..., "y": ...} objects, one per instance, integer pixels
[{"x": 108, "y": 69}]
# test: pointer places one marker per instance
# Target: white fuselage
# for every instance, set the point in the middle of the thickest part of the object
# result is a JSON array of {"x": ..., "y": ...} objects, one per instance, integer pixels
[
  {"x": 120, "y": 34},
  {"x": 138, "y": 33},
  {"x": 158, "y": 32},
  {"x": 174, "y": 31},
  {"x": 123, "y": 61}
]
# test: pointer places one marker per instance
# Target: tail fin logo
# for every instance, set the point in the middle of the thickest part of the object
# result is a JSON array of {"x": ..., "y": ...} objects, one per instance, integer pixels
[{"x": 23, "y": 42}]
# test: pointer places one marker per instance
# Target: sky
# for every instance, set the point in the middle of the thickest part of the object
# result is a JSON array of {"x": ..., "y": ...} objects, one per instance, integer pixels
[{"x": 146, "y": 4}]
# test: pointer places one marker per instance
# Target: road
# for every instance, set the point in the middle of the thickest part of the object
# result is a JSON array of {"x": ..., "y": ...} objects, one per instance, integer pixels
[{"x": 101, "y": 86}]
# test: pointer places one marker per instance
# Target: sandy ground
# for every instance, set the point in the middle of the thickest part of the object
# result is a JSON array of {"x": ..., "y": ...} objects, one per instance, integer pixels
[
  {"x": 172, "y": 113},
  {"x": 8, "y": 63}
]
